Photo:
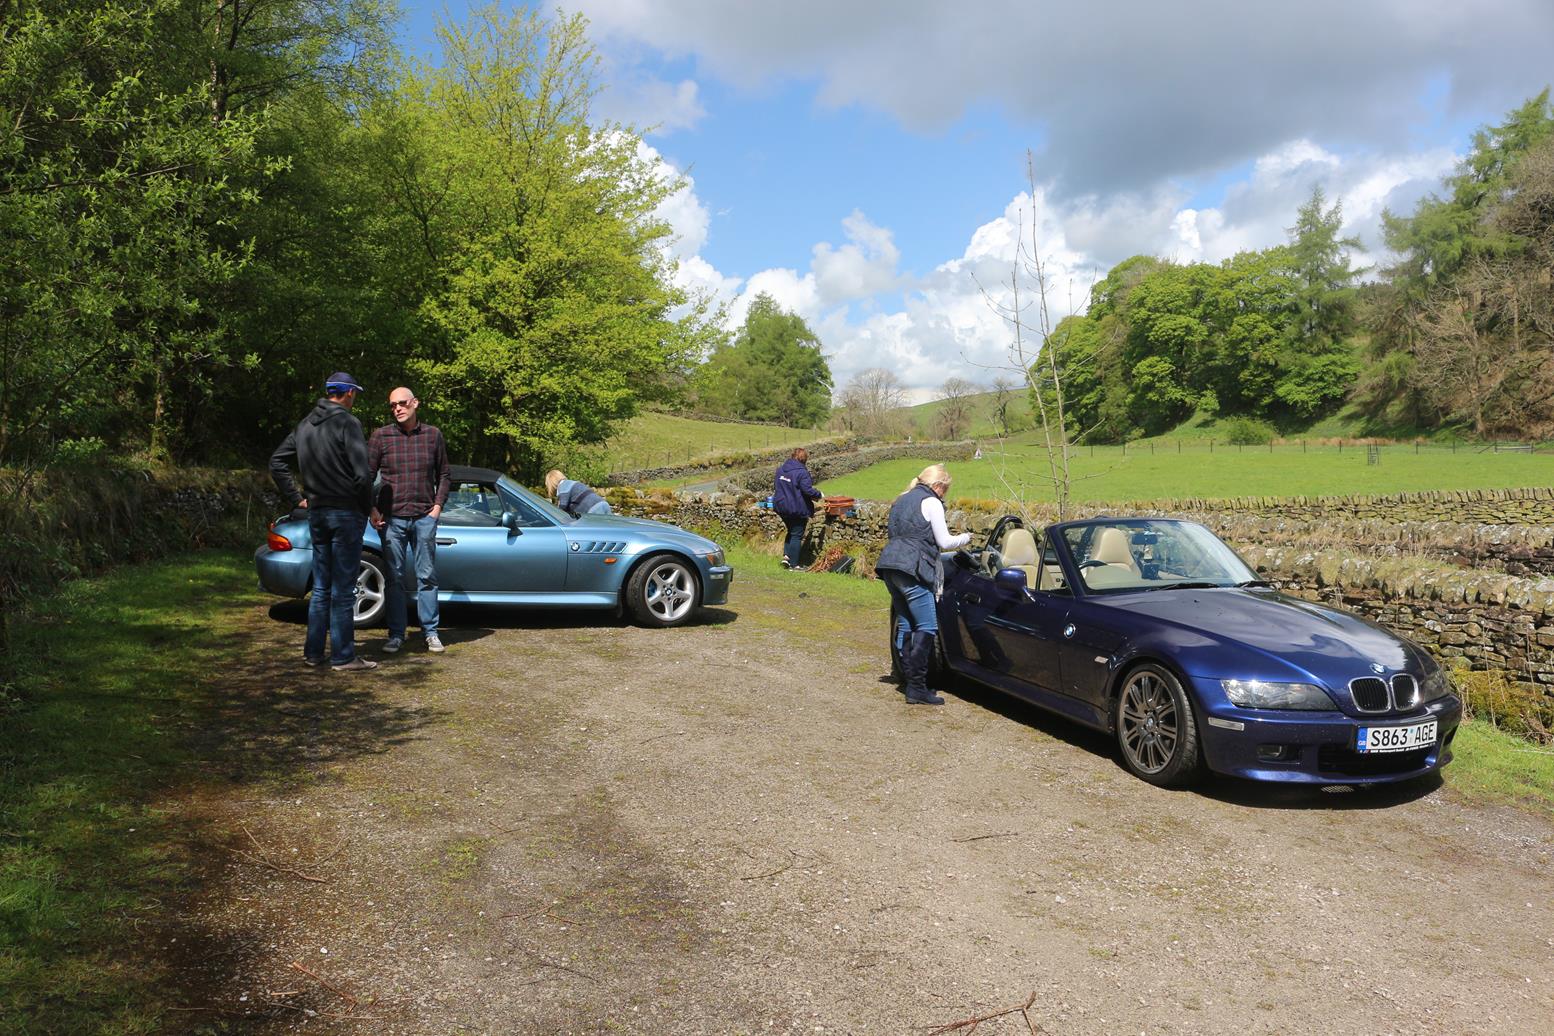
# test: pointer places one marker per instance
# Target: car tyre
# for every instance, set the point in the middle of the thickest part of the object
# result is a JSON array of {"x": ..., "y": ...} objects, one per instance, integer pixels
[
  {"x": 371, "y": 592},
  {"x": 663, "y": 592},
  {"x": 1156, "y": 731}
]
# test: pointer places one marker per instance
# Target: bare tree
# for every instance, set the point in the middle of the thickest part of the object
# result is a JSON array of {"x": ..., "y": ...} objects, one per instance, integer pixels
[
  {"x": 871, "y": 400},
  {"x": 1024, "y": 306},
  {"x": 1003, "y": 398},
  {"x": 957, "y": 410}
]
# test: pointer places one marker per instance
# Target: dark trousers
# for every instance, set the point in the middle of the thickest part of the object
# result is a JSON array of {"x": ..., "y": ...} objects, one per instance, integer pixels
[
  {"x": 796, "y": 524},
  {"x": 337, "y": 560}
]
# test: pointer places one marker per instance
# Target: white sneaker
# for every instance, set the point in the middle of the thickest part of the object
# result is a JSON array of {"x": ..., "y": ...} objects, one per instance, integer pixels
[
  {"x": 434, "y": 645},
  {"x": 355, "y": 665},
  {"x": 393, "y": 644}
]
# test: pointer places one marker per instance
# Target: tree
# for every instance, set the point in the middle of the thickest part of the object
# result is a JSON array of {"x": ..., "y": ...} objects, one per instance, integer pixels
[
  {"x": 1003, "y": 398},
  {"x": 552, "y": 321},
  {"x": 114, "y": 184},
  {"x": 1461, "y": 323},
  {"x": 956, "y": 407},
  {"x": 774, "y": 370},
  {"x": 871, "y": 402}
]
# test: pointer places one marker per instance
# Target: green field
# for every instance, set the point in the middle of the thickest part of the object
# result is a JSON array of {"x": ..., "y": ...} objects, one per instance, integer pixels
[
  {"x": 1178, "y": 469},
  {"x": 653, "y": 440}
]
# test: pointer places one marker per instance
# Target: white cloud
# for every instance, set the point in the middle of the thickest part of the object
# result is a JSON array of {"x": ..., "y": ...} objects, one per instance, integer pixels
[
  {"x": 863, "y": 267},
  {"x": 650, "y": 103}
]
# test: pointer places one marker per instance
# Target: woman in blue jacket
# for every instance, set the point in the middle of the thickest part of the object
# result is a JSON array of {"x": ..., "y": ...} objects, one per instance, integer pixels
[
  {"x": 910, "y": 566},
  {"x": 793, "y": 498}
]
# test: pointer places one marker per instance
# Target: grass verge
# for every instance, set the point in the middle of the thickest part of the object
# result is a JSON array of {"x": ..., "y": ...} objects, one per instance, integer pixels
[
  {"x": 1494, "y": 766},
  {"x": 105, "y": 685}
]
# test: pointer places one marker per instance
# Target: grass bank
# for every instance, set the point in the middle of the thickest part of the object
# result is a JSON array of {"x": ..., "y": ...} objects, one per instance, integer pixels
[
  {"x": 106, "y": 683},
  {"x": 1112, "y": 474}
]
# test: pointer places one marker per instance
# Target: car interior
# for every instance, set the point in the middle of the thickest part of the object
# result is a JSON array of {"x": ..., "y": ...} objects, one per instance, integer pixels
[
  {"x": 1016, "y": 548},
  {"x": 475, "y": 504}
]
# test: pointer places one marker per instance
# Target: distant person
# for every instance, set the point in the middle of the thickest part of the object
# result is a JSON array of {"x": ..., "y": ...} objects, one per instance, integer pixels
[
  {"x": 329, "y": 450},
  {"x": 573, "y": 497},
  {"x": 793, "y": 498},
  {"x": 410, "y": 460},
  {"x": 910, "y": 566}
]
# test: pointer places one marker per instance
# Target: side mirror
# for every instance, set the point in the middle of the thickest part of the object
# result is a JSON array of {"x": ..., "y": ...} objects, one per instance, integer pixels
[
  {"x": 510, "y": 523},
  {"x": 1010, "y": 582}
]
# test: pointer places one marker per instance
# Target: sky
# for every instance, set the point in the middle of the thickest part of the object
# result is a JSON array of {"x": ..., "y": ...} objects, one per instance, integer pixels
[{"x": 874, "y": 166}]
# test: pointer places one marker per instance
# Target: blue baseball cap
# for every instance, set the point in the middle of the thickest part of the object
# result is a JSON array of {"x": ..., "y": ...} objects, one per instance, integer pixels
[{"x": 340, "y": 382}]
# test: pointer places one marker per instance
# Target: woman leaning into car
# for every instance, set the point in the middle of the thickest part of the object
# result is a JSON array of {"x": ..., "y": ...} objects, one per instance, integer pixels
[{"x": 910, "y": 566}]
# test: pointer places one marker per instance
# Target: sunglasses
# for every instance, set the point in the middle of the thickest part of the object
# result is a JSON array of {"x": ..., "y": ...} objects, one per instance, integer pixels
[{"x": 395, "y": 404}]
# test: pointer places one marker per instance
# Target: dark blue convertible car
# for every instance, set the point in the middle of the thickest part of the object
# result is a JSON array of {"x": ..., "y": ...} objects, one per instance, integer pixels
[
  {"x": 1156, "y": 632},
  {"x": 498, "y": 543}
]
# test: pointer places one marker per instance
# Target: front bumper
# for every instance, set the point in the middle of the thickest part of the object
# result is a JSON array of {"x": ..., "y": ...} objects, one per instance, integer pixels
[
  {"x": 715, "y": 583},
  {"x": 1318, "y": 747},
  {"x": 287, "y": 573}
]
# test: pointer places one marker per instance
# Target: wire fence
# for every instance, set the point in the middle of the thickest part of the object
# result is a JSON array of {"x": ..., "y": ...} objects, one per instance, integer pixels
[{"x": 1371, "y": 450}]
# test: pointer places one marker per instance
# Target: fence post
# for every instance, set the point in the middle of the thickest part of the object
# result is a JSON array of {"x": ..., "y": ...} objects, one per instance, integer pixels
[
  {"x": 1211, "y": 445},
  {"x": 1151, "y": 448}
]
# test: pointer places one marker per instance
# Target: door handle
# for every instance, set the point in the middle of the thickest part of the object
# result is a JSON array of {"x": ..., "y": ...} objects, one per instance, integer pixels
[
  {"x": 446, "y": 541},
  {"x": 972, "y": 598}
]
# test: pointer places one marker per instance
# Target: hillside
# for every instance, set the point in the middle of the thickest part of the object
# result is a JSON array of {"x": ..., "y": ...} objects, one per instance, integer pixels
[{"x": 653, "y": 439}]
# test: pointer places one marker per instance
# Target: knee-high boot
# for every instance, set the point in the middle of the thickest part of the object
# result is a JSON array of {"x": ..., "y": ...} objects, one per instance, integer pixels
[{"x": 916, "y": 661}]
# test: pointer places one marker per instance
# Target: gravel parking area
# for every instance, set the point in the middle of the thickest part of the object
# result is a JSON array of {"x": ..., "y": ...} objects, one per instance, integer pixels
[{"x": 571, "y": 825}]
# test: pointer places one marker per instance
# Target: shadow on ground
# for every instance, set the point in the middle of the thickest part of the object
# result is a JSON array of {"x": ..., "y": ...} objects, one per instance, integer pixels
[{"x": 465, "y": 622}]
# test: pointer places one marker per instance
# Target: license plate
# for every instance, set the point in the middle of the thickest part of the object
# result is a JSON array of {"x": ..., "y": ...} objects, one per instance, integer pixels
[{"x": 1395, "y": 739}]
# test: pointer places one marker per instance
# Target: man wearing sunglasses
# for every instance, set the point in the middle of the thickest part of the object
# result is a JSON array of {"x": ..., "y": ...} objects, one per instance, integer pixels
[
  {"x": 328, "y": 449},
  {"x": 410, "y": 459}
]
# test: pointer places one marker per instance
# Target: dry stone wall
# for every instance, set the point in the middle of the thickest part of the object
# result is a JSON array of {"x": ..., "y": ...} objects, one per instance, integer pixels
[{"x": 1424, "y": 575}]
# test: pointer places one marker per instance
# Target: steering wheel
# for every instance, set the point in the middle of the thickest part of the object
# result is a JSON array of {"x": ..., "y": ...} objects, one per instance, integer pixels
[{"x": 1091, "y": 563}]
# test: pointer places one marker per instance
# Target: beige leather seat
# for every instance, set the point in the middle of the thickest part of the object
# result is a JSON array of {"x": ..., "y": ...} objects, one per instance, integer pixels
[
  {"x": 1112, "y": 548},
  {"x": 1020, "y": 552}
]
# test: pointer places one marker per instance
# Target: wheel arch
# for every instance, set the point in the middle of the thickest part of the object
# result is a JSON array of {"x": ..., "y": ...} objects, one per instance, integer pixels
[{"x": 1128, "y": 667}]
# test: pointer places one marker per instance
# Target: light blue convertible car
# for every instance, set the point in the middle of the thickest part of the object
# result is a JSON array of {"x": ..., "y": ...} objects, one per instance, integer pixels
[{"x": 498, "y": 543}]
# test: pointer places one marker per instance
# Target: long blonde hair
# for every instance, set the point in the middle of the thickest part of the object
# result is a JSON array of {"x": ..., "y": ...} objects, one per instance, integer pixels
[
  {"x": 553, "y": 478},
  {"x": 932, "y": 475}
]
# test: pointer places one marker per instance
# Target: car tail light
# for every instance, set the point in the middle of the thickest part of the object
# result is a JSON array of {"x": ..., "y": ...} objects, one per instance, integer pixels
[{"x": 277, "y": 541}]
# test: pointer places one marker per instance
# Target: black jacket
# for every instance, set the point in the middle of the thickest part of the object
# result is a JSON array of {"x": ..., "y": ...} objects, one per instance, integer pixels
[{"x": 330, "y": 451}]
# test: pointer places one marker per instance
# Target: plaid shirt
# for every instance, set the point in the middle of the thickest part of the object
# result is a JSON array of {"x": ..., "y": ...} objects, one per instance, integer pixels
[{"x": 414, "y": 468}]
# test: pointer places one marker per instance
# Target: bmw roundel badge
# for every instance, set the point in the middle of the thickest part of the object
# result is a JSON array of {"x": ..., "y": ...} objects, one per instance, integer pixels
[{"x": 1068, "y": 631}]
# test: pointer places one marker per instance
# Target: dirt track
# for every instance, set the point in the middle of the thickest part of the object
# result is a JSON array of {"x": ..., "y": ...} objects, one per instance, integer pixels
[{"x": 581, "y": 827}]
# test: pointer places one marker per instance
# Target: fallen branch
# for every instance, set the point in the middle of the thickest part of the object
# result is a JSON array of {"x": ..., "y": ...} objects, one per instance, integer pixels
[
  {"x": 297, "y": 965},
  {"x": 978, "y": 838},
  {"x": 970, "y": 1024},
  {"x": 537, "y": 955},
  {"x": 263, "y": 859}
]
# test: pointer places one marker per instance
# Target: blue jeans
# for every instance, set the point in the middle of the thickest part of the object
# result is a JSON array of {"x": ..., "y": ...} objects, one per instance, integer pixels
[
  {"x": 412, "y": 548},
  {"x": 914, "y": 605},
  {"x": 337, "y": 559},
  {"x": 796, "y": 524}
]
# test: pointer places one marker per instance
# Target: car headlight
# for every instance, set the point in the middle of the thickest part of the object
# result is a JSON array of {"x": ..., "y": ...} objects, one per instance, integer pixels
[
  {"x": 1262, "y": 694},
  {"x": 714, "y": 557},
  {"x": 1434, "y": 686}
]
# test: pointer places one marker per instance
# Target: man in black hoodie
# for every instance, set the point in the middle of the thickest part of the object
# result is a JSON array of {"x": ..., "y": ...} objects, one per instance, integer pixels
[{"x": 330, "y": 451}]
